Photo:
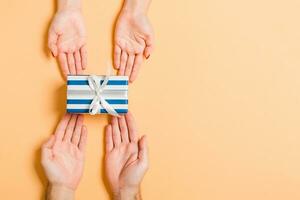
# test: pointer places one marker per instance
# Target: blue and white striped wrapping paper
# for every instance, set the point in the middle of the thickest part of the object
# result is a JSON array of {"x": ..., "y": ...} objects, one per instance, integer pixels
[{"x": 80, "y": 95}]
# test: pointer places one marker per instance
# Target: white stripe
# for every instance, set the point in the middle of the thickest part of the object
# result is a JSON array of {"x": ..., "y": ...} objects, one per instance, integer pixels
[
  {"x": 87, "y": 106},
  {"x": 107, "y": 87},
  {"x": 91, "y": 96},
  {"x": 101, "y": 77},
  {"x": 123, "y": 95}
]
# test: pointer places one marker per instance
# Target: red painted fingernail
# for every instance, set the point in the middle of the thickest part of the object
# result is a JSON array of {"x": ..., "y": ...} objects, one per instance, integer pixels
[
  {"x": 52, "y": 54},
  {"x": 148, "y": 56}
]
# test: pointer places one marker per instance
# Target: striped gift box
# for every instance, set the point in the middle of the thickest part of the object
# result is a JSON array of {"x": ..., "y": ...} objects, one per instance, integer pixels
[{"x": 80, "y": 94}]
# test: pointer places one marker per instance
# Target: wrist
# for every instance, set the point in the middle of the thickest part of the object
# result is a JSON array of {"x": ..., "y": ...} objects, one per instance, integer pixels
[
  {"x": 56, "y": 191},
  {"x": 69, "y": 5},
  {"x": 135, "y": 7},
  {"x": 127, "y": 194}
]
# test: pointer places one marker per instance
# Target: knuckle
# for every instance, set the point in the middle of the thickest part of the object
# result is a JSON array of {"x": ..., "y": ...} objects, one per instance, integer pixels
[
  {"x": 149, "y": 35},
  {"x": 71, "y": 49},
  {"x": 61, "y": 48},
  {"x": 139, "y": 49},
  {"x": 119, "y": 42},
  {"x": 122, "y": 127},
  {"x": 130, "y": 51}
]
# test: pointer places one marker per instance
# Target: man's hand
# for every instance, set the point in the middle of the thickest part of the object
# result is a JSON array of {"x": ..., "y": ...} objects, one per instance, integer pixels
[
  {"x": 126, "y": 158},
  {"x": 63, "y": 156},
  {"x": 67, "y": 37},
  {"x": 133, "y": 37}
]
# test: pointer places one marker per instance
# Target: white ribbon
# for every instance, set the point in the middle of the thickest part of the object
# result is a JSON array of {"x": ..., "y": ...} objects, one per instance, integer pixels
[{"x": 98, "y": 100}]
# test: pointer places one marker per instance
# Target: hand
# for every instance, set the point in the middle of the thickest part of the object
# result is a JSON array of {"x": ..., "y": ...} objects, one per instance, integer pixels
[
  {"x": 126, "y": 157},
  {"x": 63, "y": 154},
  {"x": 67, "y": 40},
  {"x": 134, "y": 40}
]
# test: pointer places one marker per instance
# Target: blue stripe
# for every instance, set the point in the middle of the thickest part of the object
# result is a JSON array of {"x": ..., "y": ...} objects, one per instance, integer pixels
[
  {"x": 85, "y": 82},
  {"x": 120, "y": 111},
  {"x": 89, "y": 101}
]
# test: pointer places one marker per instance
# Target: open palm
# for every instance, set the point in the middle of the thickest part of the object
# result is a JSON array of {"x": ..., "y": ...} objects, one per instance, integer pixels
[
  {"x": 63, "y": 153},
  {"x": 134, "y": 40},
  {"x": 126, "y": 159},
  {"x": 67, "y": 41}
]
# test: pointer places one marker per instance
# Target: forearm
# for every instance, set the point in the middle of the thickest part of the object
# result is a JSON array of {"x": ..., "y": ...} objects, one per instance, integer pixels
[
  {"x": 68, "y": 4},
  {"x": 55, "y": 192},
  {"x": 136, "y": 6}
]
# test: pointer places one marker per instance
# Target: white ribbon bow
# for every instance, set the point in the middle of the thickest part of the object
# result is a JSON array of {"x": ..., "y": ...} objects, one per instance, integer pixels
[{"x": 98, "y": 100}]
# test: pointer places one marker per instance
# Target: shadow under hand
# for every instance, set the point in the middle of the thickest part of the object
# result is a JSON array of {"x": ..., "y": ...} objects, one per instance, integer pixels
[
  {"x": 103, "y": 176},
  {"x": 45, "y": 34},
  {"x": 45, "y": 48},
  {"x": 113, "y": 29},
  {"x": 59, "y": 108},
  {"x": 61, "y": 100},
  {"x": 39, "y": 170}
]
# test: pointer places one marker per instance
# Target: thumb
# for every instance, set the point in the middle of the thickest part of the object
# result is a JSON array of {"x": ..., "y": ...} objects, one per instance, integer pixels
[
  {"x": 52, "y": 40},
  {"x": 46, "y": 148},
  {"x": 49, "y": 143},
  {"x": 149, "y": 47},
  {"x": 143, "y": 151}
]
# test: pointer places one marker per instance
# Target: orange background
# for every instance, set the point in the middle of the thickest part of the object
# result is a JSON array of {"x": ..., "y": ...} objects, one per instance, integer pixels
[{"x": 219, "y": 99}]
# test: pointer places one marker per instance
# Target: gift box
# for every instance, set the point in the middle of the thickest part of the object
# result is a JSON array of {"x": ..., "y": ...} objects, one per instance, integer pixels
[{"x": 97, "y": 94}]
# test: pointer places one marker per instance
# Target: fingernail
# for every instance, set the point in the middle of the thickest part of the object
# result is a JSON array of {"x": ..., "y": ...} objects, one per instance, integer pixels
[
  {"x": 52, "y": 54},
  {"x": 148, "y": 56}
]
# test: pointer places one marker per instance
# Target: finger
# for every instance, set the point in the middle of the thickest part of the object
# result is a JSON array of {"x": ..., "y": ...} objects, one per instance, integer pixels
[
  {"x": 136, "y": 67},
  {"x": 132, "y": 128},
  {"x": 62, "y": 58},
  {"x": 52, "y": 41},
  {"x": 129, "y": 65},
  {"x": 149, "y": 47},
  {"x": 61, "y": 127},
  {"x": 123, "y": 63},
  {"x": 83, "y": 139},
  {"x": 77, "y": 131},
  {"x": 116, "y": 131},
  {"x": 117, "y": 56},
  {"x": 78, "y": 62},
  {"x": 148, "y": 51},
  {"x": 123, "y": 129},
  {"x": 83, "y": 53},
  {"x": 71, "y": 63},
  {"x": 70, "y": 128},
  {"x": 109, "y": 145},
  {"x": 143, "y": 151}
]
